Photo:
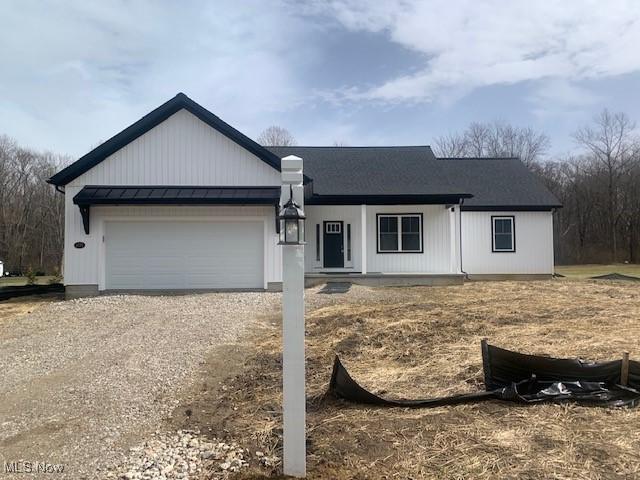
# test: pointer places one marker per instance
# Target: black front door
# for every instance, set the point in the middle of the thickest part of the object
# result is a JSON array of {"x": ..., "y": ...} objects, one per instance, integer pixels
[{"x": 333, "y": 242}]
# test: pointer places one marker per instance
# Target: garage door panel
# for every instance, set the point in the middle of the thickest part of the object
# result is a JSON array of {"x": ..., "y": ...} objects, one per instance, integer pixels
[{"x": 184, "y": 255}]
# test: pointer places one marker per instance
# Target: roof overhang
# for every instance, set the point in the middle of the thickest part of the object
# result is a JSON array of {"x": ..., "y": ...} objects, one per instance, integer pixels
[
  {"x": 92, "y": 195},
  {"x": 408, "y": 199},
  {"x": 509, "y": 208}
]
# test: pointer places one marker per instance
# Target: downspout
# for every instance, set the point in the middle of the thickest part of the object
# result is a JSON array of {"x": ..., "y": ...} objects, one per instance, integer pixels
[{"x": 466, "y": 275}]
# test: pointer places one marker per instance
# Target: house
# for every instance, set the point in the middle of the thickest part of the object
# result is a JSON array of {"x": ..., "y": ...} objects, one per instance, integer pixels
[{"x": 182, "y": 200}]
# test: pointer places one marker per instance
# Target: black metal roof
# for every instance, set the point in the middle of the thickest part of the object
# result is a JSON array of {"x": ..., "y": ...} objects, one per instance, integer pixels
[
  {"x": 151, "y": 120},
  {"x": 386, "y": 174},
  {"x": 176, "y": 195}
]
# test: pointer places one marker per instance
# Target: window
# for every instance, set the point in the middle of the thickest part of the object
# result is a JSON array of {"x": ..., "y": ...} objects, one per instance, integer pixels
[
  {"x": 503, "y": 233},
  {"x": 317, "y": 242},
  {"x": 333, "y": 227},
  {"x": 400, "y": 233},
  {"x": 348, "y": 242}
]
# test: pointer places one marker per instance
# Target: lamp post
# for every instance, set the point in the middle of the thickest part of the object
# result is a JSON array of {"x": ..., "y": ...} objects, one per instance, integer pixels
[{"x": 291, "y": 221}]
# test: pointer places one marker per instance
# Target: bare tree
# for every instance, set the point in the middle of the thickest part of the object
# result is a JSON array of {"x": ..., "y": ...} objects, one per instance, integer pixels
[
  {"x": 340, "y": 143},
  {"x": 275, "y": 136},
  {"x": 31, "y": 212},
  {"x": 452, "y": 145},
  {"x": 611, "y": 142},
  {"x": 495, "y": 139}
]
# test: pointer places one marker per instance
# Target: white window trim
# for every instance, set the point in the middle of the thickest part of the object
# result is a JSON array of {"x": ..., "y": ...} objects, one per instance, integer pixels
[
  {"x": 399, "y": 217},
  {"x": 494, "y": 249}
]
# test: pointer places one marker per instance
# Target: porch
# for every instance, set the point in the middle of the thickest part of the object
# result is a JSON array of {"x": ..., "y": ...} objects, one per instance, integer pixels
[
  {"x": 385, "y": 279},
  {"x": 399, "y": 244}
]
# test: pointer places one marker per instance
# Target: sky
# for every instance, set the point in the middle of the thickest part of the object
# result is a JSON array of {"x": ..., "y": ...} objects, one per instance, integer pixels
[{"x": 392, "y": 72}]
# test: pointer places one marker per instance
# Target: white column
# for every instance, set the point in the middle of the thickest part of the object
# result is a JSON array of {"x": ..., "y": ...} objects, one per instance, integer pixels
[
  {"x": 293, "y": 360},
  {"x": 363, "y": 237},
  {"x": 452, "y": 239},
  {"x": 454, "y": 222}
]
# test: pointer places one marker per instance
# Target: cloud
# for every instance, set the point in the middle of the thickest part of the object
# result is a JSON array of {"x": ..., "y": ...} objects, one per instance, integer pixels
[
  {"x": 561, "y": 97},
  {"x": 471, "y": 44},
  {"x": 76, "y": 72}
]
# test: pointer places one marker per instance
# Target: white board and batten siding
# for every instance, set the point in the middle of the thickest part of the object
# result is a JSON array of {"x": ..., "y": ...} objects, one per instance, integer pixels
[
  {"x": 533, "y": 244},
  {"x": 436, "y": 230},
  {"x": 182, "y": 150},
  {"x": 436, "y": 237}
]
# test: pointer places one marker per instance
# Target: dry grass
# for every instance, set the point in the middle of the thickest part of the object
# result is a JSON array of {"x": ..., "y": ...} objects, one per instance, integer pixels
[{"x": 423, "y": 342}]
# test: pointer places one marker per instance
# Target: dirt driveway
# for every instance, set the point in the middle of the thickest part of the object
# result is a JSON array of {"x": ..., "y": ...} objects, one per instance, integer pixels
[{"x": 84, "y": 380}]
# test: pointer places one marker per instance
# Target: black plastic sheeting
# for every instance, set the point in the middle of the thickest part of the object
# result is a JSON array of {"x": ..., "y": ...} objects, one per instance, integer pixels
[
  {"x": 521, "y": 378},
  {"x": 24, "y": 290},
  {"x": 616, "y": 276}
]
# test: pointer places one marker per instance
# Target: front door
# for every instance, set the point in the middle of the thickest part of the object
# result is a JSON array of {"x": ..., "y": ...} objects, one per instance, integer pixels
[{"x": 333, "y": 242}]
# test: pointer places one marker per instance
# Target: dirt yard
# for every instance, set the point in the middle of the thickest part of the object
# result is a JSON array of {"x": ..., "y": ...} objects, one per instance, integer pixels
[{"x": 423, "y": 342}]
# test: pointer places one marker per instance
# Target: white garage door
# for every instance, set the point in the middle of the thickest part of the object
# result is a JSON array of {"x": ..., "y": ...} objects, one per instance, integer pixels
[{"x": 184, "y": 255}]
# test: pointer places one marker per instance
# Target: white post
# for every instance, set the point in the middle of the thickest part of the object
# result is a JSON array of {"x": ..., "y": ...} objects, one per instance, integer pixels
[
  {"x": 363, "y": 237},
  {"x": 454, "y": 218},
  {"x": 453, "y": 263},
  {"x": 293, "y": 361}
]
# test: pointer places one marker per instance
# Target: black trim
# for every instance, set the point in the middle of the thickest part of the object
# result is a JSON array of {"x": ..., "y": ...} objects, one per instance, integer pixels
[
  {"x": 318, "y": 240},
  {"x": 152, "y": 119},
  {"x": 392, "y": 214},
  {"x": 348, "y": 242},
  {"x": 176, "y": 195},
  {"x": 510, "y": 208},
  {"x": 513, "y": 233},
  {"x": 85, "y": 211},
  {"x": 409, "y": 199}
]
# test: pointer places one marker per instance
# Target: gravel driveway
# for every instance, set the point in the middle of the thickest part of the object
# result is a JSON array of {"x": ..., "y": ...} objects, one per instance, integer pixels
[{"x": 83, "y": 380}]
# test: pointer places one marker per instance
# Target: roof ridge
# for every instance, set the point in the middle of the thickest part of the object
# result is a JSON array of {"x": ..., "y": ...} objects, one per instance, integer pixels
[
  {"x": 349, "y": 146},
  {"x": 477, "y": 158}
]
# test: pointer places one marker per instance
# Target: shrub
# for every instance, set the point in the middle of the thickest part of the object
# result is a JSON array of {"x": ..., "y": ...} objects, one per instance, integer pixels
[
  {"x": 57, "y": 278},
  {"x": 31, "y": 276}
]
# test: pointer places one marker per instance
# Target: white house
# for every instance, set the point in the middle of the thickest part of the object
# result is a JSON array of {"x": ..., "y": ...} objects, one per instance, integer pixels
[{"x": 181, "y": 200}]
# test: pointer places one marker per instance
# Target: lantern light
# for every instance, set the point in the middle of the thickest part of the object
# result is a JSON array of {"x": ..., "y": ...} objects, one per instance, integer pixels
[{"x": 291, "y": 220}]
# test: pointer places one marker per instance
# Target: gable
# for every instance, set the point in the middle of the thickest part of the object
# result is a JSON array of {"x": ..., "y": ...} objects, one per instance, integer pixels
[
  {"x": 177, "y": 147},
  {"x": 181, "y": 150}
]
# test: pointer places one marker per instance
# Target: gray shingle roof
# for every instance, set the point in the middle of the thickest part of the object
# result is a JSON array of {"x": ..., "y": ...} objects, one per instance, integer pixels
[
  {"x": 497, "y": 182},
  {"x": 392, "y": 171}
]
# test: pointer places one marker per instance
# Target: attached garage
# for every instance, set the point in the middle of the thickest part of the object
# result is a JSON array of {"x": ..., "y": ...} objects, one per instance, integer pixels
[{"x": 171, "y": 255}]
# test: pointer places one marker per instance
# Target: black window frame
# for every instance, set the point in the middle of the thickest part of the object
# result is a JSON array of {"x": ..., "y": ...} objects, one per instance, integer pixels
[
  {"x": 317, "y": 242},
  {"x": 348, "y": 242},
  {"x": 493, "y": 233},
  {"x": 399, "y": 217}
]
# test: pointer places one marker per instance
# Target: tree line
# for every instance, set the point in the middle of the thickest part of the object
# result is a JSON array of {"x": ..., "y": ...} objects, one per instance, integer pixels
[
  {"x": 598, "y": 186},
  {"x": 31, "y": 211}
]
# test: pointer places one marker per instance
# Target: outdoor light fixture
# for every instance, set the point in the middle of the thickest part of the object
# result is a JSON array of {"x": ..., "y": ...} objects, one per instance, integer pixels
[{"x": 291, "y": 219}]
